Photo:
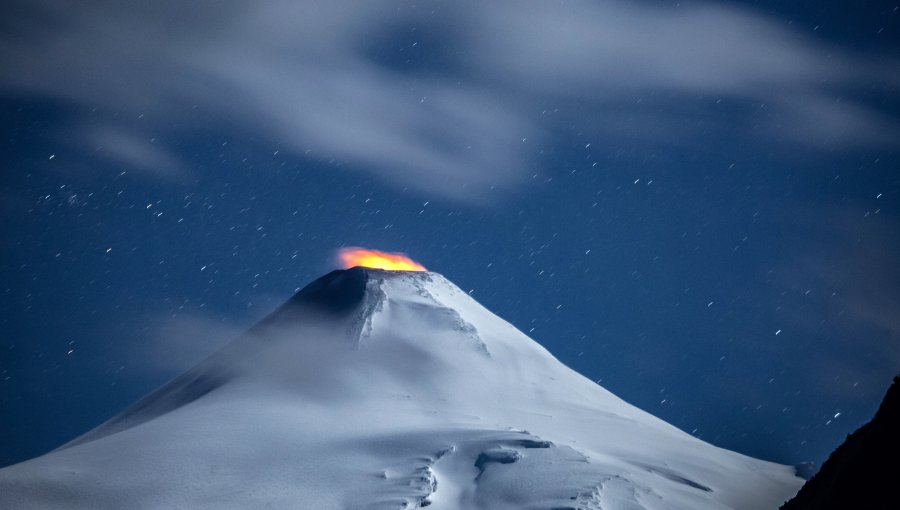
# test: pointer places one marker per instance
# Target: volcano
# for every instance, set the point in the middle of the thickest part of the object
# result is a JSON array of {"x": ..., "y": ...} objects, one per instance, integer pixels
[{"x": 389, "y": 390}]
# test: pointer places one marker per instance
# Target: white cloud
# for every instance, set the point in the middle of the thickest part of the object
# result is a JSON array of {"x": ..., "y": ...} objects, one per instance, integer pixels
[{"x": 301, "y": 76}]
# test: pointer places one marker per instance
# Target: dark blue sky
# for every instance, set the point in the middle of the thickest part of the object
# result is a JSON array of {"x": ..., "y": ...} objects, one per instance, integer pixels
[{"x": 695, "y": 203}]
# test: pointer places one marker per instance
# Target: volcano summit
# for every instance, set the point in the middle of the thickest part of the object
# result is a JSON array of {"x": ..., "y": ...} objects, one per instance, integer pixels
[{"x": 389, "y": 390}]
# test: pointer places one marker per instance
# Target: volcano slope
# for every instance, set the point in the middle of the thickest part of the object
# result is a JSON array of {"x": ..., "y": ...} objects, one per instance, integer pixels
[{"x": 389, "y": 390}]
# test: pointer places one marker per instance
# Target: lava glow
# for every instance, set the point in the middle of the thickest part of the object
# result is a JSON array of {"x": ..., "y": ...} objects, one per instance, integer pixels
[{"x": 351, "y": 257}]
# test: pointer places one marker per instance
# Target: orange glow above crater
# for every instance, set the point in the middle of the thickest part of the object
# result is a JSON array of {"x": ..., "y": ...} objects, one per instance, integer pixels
[{"x": 351, "y": 257}]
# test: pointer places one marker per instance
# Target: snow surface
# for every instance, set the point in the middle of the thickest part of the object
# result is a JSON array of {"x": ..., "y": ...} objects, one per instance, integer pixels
[{"x": 376, "y": 389}]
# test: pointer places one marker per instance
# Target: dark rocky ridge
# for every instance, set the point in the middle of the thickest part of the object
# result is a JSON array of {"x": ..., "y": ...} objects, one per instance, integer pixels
[{"x": 863, "y": 471}]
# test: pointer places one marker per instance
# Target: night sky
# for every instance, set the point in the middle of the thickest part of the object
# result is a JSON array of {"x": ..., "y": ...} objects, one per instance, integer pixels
[{"x": 696, "y": 204}]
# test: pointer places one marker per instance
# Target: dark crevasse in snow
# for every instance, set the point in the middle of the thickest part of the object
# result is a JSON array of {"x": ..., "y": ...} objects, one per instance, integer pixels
[{"x": 862, "y": 472}]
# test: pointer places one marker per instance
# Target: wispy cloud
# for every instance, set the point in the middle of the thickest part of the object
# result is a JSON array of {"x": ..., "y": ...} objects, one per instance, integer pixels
[
  {"x": 176, "y": 344},
  {"x": 136, "y": 152},
  {"x": 169, "y": 344},
  {"x": 452, "y": 97},
  {"x": 842, "y": 294}
]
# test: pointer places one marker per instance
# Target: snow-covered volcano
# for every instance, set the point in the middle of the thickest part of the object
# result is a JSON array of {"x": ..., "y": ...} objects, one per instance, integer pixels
[{"x": 378, "y": 389}]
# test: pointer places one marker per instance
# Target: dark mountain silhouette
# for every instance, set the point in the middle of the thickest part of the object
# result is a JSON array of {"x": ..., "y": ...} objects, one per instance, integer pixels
[{"x": 863, "y": 472}]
